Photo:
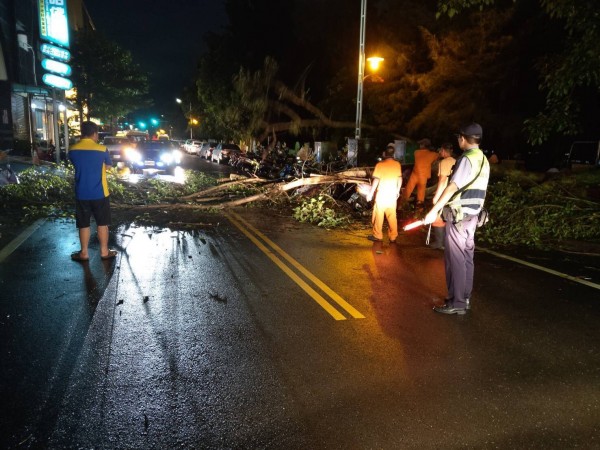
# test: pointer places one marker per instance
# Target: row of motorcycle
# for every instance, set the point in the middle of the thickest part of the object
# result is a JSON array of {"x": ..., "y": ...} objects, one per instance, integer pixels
[
  {"x": 285, "y": 167},
  {"x": 282, "y": 166}
]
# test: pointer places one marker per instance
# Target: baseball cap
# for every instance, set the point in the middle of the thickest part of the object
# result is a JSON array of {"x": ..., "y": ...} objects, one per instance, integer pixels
[{"x": 473, "y": 129}]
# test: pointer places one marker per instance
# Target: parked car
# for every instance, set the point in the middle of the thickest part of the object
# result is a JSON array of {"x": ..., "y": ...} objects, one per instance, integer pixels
[
  {"x": 206, "y": 150},
  {"x": 161, "y": 155},
  {"x": 116, "y": 147},
  {"x": 180, "y": 143},
  {"x": 222, "y": 152},
  {"x": 192, "y": 146}
]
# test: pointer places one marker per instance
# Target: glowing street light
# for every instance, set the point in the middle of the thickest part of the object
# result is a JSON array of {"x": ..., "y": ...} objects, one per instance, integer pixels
[{"x": 375, "y": 62}]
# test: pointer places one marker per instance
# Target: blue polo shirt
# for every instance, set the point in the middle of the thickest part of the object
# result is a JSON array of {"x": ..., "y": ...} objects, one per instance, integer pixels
[{"x": 90, "y": 160}]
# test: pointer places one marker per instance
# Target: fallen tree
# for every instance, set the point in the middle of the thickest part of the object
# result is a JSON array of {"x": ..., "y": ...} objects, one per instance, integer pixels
[
  {"x": 271, "y": 189},
  {"x": 526, "y": 209}
]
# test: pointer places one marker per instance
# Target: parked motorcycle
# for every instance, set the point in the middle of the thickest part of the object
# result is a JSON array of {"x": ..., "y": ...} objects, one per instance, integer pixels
[{"x": 7, "y": 174}]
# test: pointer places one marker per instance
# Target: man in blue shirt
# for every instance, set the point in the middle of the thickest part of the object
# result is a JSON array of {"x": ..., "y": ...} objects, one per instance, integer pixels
[{"x": 91, "y": 191}]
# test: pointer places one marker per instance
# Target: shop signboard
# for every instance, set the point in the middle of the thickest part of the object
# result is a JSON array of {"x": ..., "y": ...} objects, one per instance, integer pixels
[
  {"x": 54, "y": 26},
  {"x": 57, "y": 53},
  {"x": 57, "y": 82},
  {"x": 56, "y": 67}
]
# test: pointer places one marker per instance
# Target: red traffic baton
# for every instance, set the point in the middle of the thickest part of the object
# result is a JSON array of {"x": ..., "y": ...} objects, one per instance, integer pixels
[{"x": 413, "y": 225}]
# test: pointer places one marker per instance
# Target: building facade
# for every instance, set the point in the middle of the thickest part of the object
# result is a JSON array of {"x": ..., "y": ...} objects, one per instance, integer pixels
[{"x": 30, "y": 110}]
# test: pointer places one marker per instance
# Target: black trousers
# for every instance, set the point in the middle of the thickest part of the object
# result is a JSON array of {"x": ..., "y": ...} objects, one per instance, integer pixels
[{"x": 458, "y": 257}]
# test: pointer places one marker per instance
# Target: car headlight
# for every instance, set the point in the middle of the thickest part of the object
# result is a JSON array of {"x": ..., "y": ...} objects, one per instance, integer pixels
[
  {"x": 133, "y": 155},
  {"x": 167, "y": 158}
]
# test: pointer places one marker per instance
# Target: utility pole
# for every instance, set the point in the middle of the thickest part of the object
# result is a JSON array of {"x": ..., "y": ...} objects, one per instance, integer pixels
[
  {"x": 361, "y": 68},
  {"x": 55, "y": 126},
  {"x": 191, "y": 123}
]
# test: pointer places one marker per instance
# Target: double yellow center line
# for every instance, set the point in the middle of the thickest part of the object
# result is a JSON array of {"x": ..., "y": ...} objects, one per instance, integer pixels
[{"x": 253, "y": 234}]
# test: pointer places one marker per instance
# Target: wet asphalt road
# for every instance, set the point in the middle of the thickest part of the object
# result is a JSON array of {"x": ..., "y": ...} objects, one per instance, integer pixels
[
  {"x": 197, "y": 340},
  {"x": 200, "y": 340}
]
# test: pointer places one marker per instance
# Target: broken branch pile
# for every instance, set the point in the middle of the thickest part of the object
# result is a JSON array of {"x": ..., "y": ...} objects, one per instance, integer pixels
[{"x": 239, "y": 192}]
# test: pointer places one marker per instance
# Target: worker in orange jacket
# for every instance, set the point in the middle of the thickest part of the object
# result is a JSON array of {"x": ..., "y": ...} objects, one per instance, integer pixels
[
  {"x": 385, "y": 187},
  {"x": 424, "y": 158}
]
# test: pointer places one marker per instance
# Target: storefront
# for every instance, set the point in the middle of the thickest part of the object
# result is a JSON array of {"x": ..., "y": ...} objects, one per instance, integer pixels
[{"x": 34, "y": 43}]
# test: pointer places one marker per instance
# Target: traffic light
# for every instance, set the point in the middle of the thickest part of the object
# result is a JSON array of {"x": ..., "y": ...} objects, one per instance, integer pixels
[
  {"x": 154, "y": 121},
  {"x": 142, "y": 125}
]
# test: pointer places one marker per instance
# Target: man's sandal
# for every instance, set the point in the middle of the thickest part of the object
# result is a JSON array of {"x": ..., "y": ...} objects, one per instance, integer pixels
[{"x": 111, "y": 254}]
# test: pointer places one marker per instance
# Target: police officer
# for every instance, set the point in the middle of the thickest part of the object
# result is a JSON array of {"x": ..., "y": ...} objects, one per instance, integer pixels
[{"x": 462, "y": 201}]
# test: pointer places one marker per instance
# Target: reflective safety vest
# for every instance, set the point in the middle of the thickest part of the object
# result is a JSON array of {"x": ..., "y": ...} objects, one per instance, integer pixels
[{"x": 470, "y": 200}]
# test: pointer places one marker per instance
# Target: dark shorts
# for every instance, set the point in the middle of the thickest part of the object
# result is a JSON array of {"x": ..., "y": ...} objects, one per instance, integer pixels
[{"x": 85, "y": 209}]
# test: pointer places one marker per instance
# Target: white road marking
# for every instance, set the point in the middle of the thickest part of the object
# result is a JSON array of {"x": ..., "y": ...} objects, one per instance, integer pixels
[
  {"x": 16, "y": 242},
  {"x": 543, "y": 269}
]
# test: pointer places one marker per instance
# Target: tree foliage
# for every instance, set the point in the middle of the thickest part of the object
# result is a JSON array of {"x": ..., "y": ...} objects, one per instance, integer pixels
[
  {"x": 527, "y": 211},
  {"x": 469, "y": 78},
  {"x": 568, "y": 74},
  {"x": 108, "y": 83},
  {"x": 482, "y": 65},
  {"x": 259, "y": 104},
  {"x": 268, "y": 105}
]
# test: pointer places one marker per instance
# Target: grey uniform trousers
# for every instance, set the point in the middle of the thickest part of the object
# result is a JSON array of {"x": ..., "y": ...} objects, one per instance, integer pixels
[{"x": 458, "y": 257}]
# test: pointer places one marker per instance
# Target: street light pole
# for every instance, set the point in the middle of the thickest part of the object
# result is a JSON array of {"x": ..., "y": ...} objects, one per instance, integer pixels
[
  {"x": 361, "y": 67},
  {"x": 178, "y": 100},
  {"x": 191, "y": 123}
]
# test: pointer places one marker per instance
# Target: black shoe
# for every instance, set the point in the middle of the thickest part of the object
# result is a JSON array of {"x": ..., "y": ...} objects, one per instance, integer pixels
[
  {"x": 446, "y": 309},
  {"x": 373, "y": 238},
  {"x": 449, "y": 301}
]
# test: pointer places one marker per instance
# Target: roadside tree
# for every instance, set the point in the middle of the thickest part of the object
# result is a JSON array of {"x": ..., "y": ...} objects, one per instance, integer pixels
[{"x": 108, "y": 84}]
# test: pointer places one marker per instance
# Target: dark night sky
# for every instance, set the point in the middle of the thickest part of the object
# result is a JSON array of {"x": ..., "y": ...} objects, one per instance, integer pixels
[{"x": 164, "y": 37}]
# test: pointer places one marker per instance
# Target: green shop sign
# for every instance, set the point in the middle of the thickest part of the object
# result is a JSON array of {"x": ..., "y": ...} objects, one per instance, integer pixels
[
  {"x": 57, "y": 82},
  {"x": 56, "y": 67},
  {"x": 57, "y": 53},
  {"x": 54, "y": 26}
]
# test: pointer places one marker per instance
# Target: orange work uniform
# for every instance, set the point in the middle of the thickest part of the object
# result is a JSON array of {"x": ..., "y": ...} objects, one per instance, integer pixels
[
  {"x": 389, "y": 173},
  {"x": 424, "y": 158}
]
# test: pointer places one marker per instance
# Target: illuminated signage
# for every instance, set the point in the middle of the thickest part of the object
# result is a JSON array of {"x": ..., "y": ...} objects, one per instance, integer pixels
[
  {"x": 54, "y": 52},
  {"x": 54, "y": 26},
  {"x": 56, "y": 67},
  {"x": 57, "y": 82}
]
